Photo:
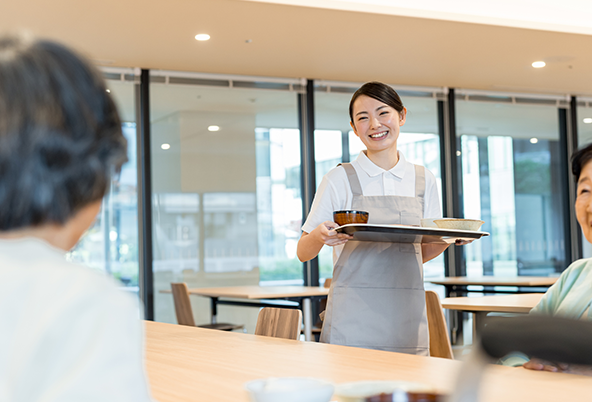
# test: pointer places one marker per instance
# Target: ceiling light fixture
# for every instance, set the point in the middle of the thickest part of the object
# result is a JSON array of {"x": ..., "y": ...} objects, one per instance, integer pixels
[
  {"x": 108, "y": 90},
  {"x": 588, "y": 120},
  {"x": 534, "y": 140},
  {"x": 165, "y": 146},
  {"x": 213, "y": 128},
  {"x": 539, "y": 64},
  {"x": 202, "y": 37}
]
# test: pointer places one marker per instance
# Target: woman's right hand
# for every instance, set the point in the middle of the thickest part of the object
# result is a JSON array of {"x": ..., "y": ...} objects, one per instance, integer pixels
[
  {"x": 311, "y": 243},
  {"x": 326, "y": 234}
]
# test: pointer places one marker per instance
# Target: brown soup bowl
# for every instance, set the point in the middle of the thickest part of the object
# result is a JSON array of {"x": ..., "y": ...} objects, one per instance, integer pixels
[{"x": 345, "y": 217}]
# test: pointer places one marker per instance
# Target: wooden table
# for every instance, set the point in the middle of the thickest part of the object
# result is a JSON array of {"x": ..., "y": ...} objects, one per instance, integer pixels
[
  {"x": 459, "y": 284},
  {"x": 480, "y": 306},
  {"x": 265, "y": 295},
  {"x": 186, "y": 364}
]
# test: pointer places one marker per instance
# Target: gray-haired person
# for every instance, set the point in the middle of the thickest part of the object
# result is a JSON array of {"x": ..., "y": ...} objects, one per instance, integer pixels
[{"x": 67, "y": 333}]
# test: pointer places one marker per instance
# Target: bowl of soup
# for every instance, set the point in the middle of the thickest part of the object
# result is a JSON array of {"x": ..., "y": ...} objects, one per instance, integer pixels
[
  {"x": 361, "y": 391},
  {"x": 350, "y": 216}
]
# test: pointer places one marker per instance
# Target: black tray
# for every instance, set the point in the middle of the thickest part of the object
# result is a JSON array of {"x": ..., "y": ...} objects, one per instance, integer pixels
[{"x": 407, "y": 234}]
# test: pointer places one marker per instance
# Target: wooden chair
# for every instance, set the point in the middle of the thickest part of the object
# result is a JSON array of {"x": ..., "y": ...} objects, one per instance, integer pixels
[
  {"x": 439, "y": 341},
  {"x": 185, "y": 314},
  {"x": 279, "y": 323}
]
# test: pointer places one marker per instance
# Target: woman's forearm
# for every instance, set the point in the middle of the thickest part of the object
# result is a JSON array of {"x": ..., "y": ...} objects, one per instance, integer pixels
[
  {"x": 308, "y": 247},
  {"x": 429, "y": 251}
]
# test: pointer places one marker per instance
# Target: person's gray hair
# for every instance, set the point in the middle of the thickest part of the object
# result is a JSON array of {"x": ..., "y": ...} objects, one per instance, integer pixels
[{"x": 60, "y": 133}]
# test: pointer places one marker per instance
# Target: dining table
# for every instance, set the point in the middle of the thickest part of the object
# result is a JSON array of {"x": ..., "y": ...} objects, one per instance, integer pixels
[
  {"x": 483, "y": 305},
  {"x": 187, "y": 364},
  {"x": 459, "y": 285},
  {"x": 264, "y": 296}
]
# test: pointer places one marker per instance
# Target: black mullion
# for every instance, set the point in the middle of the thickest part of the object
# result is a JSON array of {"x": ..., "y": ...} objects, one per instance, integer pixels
[
  {"x": 307, "y": 171},
  {"x": 444, "y": 173},
  {"x": 567, "y": 144},
  {"x": 146, "y": 282},
  {"x": 345, "y": 147},
  {"x": 451, "y": 178},
  {"x": 572, "y": 146}
]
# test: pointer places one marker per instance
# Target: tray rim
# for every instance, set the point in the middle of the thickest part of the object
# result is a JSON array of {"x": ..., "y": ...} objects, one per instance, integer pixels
[{"x": 432, "y": 231}]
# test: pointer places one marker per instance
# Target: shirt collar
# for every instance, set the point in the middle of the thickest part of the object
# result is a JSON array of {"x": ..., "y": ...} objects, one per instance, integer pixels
[{"x": 372, "y": 170}]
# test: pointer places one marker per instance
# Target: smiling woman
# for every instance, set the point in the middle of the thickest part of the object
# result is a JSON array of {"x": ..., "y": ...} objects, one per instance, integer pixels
[
  {"x": 571, "y": 295},
  {"x": 366, "y": 282}
]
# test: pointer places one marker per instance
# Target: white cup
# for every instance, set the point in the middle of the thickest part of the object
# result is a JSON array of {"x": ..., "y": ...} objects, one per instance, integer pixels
[{"x": 290, "y": 389}]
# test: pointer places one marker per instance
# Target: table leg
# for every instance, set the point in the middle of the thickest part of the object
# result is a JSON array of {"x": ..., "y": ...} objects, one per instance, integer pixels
[
  {"x": 214, "y": 303},
  {"x": 478, "y": 323},
  {"x": 307, "y": 313}
]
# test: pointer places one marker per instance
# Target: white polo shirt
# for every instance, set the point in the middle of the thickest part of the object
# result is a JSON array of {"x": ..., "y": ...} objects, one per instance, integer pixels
[{"x": 335, "y": 193}]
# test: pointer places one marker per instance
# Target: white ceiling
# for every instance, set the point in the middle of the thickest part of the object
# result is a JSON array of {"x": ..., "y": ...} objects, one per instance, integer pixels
[
  {"x": 295, "y": 41},
  {"x": 572, "y": 16}
]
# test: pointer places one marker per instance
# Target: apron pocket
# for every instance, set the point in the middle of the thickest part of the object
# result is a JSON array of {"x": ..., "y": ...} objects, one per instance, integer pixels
[
  {"x": 410, "y": 219},
  {"x": 379, "y": 318},
  {"x": 412, "y": 248}
]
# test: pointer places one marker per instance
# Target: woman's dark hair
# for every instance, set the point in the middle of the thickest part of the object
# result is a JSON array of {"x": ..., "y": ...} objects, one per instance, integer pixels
[
  {"x": 60, "y": 134},
  {"x": 579, "y": 159},
  {"x": 379, "y": 91}
]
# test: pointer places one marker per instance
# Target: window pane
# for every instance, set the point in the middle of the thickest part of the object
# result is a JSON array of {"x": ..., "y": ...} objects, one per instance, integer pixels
[
  {"x": 111, "y": 244},
  {"x": 511, "y": 180},
  {"x": 227, "y": 204}
]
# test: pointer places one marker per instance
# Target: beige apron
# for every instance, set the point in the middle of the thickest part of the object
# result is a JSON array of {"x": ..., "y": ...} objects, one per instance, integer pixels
[{"x": 377, "y": 298}]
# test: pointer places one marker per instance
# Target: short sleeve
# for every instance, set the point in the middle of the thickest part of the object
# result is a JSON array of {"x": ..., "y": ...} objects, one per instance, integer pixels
[{"x": 326, "y": 200}]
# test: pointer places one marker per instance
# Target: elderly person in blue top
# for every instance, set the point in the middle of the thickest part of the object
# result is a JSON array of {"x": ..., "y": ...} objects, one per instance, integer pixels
[{"x": 571, "y": 295}]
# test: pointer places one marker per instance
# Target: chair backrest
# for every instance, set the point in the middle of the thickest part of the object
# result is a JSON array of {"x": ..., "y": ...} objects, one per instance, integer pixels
[
  {"x": 279, "y": 323},
  {"x": 182, "y": 304},
  {"x": 439, "y": 340}
]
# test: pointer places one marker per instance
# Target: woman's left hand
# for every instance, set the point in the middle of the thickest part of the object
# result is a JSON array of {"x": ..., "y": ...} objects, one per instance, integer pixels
[{"x": 544, "y": 365}]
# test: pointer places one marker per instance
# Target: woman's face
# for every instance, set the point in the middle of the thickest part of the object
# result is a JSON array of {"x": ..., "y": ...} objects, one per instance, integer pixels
[
  {"x": 376, "y": 123},
  {"x": 584, "y": 201}
]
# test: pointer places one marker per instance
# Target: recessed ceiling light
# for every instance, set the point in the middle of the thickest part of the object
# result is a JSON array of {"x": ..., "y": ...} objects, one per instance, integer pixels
[
  {"x": 108, "y": 90},
  {"x": 588, "y": 120},
  {"x": 534, "y": 140},
  {"x": 458, "y": 153},
  {"x": 539, "y": 64},
  {"x": 165, "y": 146},
  {"x": 202, "y": 37},
  {"x": 213, "y": 128}
]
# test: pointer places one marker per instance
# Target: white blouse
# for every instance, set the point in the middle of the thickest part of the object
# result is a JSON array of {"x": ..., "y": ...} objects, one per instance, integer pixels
[{"x": 334, "y": 192}]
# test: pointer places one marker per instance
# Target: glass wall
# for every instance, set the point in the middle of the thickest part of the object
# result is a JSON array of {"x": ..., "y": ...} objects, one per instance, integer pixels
[
  {"x": 419, "y": 142},
  {"x": 584, "y": 114},
  {"x": 331, "y": 131},
  {"x": 226, "y": 189},
  {"x": 511, "y": 179},
  {"x": 111, "y": 244}
]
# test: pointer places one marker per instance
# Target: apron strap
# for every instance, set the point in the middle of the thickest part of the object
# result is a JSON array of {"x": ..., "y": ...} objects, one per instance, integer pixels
[
  {"x": 352, "y": 177},
  {"x": 419, "y": 181}
]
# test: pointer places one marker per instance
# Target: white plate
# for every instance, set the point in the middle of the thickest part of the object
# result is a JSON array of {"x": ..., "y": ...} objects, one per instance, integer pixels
[{"x": 289, "y": 389}]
